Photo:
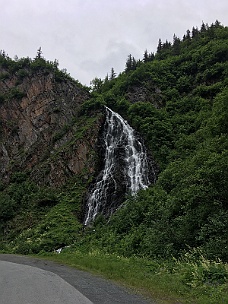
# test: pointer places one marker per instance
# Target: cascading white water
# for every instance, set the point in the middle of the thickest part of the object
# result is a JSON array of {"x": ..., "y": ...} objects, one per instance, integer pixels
[{"x": 119, "y": 138}]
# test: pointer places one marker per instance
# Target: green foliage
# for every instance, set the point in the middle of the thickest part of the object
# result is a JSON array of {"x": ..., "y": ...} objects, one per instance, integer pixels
[
  {"x": 21, "y": 205},
  {"x": 177, "y": 101},
  {"x": 39, "y": 219},
  {"x": 184, "y": 124},
  {"x": 59, "y": 76},
  {"x": 25, "y": 67},
  {"x": 198, "y": 271},
  {"x": 18, "y": 177},
  {"x": 39, "y": 63},
  {"x": 57, "y": 229},
  {"x": 16, "y": 93},
  {"x": 92, "y": 105},
  {"x": 22, "y": 73},
  {"x": 190, "y": 279},
  {"x": 7, "y": 207},
  {"x": 4, "y": 76}
]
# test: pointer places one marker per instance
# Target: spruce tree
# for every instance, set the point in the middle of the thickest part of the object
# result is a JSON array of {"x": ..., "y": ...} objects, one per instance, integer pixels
[
  {"x": 113, "y": 74},
  {"x": 128, "y": 63},
  {"x": 39, "y": 53},
  {"x": 145, "y": 56},
  {"x": 159, "y": 47}
]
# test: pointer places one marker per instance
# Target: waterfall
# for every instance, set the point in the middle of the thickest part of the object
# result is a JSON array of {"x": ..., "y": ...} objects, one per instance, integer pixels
[{"x": 125, "y": 169}]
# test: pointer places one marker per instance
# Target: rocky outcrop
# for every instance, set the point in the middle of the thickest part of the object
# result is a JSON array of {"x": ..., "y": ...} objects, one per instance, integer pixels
[{"x": 40, "y": 129}]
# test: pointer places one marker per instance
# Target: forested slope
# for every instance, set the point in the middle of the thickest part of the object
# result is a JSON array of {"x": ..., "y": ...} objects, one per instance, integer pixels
[
  {"x": 47, "y": 154},
  {"x": 177, "y": 99}
]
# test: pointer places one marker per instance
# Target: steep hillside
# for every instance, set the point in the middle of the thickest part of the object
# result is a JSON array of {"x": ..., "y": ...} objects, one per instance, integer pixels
[
  {"x": 177, "y": 101},
  {"x": 45, "y": 144},
  {"x": 41, "y": 132}
]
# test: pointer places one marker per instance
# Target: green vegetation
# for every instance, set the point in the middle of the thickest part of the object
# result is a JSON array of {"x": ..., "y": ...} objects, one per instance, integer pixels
[
  {"x": 187, "y": 134},
  {"x": 189, "y": 280},
  {"x": 35, "y": 219},
  {"x": 26, "y": 67},
  {"x": 171, "y": 239},
  {"x": 58, "y": 228}
]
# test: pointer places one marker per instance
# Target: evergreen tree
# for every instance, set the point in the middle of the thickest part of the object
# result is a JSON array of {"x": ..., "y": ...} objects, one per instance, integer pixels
[
  {"x": 106, "y": 79},
  {"x": 3, "y": 53},
  {"x": 39, "y": 53},
  {"x": 203, "y": 28},
  {"x": 217, "y": 24},
  {"x": 195, "y": 32},
  {"x": 128, "y": 63},
  {"x": 176, "y": 45},
  {"x": 148, "y": 57},
  {"x": 112, "y": 74},
  {"x": 188, "y": 35},
  {"x": 166, "y": 45},
  {"x": 151, "y": 56},
  {"x": 56, "y": 63},
  {"x": 96, "y": 84},
  {"x": 145, "y": 56},
  {"x": 131, "y": 63},
  {"x": 159, "y": 47},
  {"x": 134, "y": 64}
]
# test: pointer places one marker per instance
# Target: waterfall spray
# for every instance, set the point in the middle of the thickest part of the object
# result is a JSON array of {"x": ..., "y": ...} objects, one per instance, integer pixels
[{"x": 125, "y": 156}]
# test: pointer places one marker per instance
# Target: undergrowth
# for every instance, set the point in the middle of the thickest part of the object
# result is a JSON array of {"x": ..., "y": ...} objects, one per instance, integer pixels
[{"x": 190, "y": 279}]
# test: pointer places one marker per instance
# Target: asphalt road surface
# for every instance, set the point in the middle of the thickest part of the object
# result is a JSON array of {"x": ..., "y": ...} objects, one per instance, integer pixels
[{"x": 25, "y": 280}]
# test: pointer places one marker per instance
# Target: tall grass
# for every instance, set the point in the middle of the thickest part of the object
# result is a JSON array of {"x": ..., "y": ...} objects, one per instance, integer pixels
[{"x": 188, "y": 280}]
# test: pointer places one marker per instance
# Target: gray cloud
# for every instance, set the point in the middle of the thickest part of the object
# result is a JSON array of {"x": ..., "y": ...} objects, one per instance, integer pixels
[{"x": 89, "y": 37}]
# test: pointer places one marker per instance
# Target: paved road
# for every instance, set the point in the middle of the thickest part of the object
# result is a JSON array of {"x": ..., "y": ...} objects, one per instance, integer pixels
[
  {"x": 25, "y": 280},
  {"x": 26, "y": 284}
]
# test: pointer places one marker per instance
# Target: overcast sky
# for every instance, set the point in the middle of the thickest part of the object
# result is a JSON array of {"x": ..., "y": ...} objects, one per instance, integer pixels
[{"x": 89, "y": 37}]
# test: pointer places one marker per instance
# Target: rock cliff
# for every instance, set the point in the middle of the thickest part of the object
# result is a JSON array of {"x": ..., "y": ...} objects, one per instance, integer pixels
[{"x": 41, "y": 132}]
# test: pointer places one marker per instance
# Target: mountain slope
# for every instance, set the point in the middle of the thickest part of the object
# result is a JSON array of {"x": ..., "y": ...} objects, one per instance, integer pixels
[
  {"x": 176, "y": 100},
  {"x": 46, "y": 144},
  {"x": 39, "y": 116}
]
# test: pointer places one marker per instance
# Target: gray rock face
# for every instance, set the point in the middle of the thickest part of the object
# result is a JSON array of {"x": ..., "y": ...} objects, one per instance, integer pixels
[{"x": 38, "y": 129}]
